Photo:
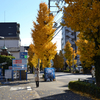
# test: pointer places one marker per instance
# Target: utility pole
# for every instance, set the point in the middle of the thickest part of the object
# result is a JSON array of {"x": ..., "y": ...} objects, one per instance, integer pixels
[
  {"x": 53, "y": 6},
  {"x": 49, "y": 4}
]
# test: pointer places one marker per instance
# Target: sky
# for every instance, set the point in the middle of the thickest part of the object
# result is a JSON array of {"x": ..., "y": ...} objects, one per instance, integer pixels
[{"x": 24, "y": 12}]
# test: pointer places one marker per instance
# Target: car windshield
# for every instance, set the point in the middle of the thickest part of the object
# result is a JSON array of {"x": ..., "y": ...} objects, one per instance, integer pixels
[{"x": 79, "y": 66}]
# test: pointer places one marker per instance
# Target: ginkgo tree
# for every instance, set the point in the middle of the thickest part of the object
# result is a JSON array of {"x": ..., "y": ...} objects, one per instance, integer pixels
[
  {"x": 49, "y": 52},
  {"x": 86, "y": 50},
  {"x": 84, "y": 16},
  {"x": 33, "y": 58},
  {"x": 69, "y": 54},
  {"x": 58, "y": 60},
  {"x": 30, "y": 54},
  {"x": 42, "y": 34},
  {"x": 61, "y": 59}
]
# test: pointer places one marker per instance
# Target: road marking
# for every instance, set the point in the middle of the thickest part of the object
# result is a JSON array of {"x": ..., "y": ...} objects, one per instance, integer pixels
[
  {"x": 3, "y": 86},
  {"x": 20, "y": 88},
  {"x": 29, "y": 88},
  {"x": 13, "y": 88}
]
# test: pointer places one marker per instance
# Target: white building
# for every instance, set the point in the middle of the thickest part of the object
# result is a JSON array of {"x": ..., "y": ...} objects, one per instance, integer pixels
[{"x": 11, "y": 34}]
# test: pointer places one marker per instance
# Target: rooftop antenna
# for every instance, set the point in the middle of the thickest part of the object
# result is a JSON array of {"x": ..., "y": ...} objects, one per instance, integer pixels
[{"x": 4, "y": 16}]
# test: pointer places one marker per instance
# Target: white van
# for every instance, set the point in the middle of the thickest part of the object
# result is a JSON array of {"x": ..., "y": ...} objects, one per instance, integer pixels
[{"x": 80, "y": 69}]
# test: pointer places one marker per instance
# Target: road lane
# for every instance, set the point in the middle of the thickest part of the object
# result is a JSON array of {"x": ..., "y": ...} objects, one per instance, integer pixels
[{"x": 67, "y": 77}]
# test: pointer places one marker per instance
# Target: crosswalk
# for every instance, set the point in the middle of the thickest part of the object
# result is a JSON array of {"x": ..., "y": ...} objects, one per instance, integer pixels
[{"x": 20, "y": 88}]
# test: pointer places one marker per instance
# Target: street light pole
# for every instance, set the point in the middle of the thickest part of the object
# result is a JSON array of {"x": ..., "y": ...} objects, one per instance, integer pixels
[{"x": 73, "y": 61}]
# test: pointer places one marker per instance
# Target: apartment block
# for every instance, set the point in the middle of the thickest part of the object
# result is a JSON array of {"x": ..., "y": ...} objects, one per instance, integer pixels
[{"x": 71, "y": 36}]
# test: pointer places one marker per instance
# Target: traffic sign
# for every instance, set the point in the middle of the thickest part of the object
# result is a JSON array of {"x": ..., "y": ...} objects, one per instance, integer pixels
[{"x": 23, "y": 55}]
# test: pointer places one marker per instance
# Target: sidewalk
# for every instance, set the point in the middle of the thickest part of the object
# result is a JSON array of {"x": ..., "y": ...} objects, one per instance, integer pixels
[
  {"x": 54, "y": 90},
  {"x": 19, "y": 90},
  {"x": 57, "y": 90},
  {"x": 16, "y": 82}
]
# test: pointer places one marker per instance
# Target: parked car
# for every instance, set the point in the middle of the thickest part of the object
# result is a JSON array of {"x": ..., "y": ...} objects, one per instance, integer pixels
[
  {"x": 93, "y": 71},
  {"x": 80, "y": 69}
]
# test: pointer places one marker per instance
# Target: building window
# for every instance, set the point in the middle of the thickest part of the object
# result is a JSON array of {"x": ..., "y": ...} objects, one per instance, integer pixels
[
  {"x": 10, "y": 33},
  {"x": 67, "y": 31},
  {"x": 10, "y": 27}
]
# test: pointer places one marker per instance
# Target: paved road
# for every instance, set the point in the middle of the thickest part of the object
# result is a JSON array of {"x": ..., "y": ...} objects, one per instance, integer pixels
[
  {"x": 55, "y": 90},
  {"x": 67, "y": 77}
]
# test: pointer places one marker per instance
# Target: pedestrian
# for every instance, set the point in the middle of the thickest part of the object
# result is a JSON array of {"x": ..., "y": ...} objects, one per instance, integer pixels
[{"x": 37, "y": 77}]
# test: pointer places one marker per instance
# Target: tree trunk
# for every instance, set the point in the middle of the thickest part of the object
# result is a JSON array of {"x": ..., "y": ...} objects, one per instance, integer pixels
[
  {"x": 70, "y": 68},
  {"x": 97, "y": 70},
  {"x": 97, "y": 62},
  {"x": 38, "y": 62}
]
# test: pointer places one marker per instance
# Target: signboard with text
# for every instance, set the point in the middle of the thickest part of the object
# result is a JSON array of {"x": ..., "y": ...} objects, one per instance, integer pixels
[
  {"x": 8, "y": 73},
  {"x": 19, "y": 64},
  {"x": 10, "y": 67}
]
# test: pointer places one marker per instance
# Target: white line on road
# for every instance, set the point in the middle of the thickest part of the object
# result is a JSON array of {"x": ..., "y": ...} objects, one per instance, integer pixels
[
  {"x": 29, "y": 88},
  {"x": 20, "y": 88},
  {"x": 3, "y": 86}
]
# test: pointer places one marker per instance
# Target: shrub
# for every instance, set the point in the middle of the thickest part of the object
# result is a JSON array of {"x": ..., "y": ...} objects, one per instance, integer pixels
[
  {"x": 77, "y": 71},
  {"x": 66, "y": 71},
  {"x": 7, "y": 59},
  {"x": 85, "y": 87},
  {"x": 43, "y": 76}
]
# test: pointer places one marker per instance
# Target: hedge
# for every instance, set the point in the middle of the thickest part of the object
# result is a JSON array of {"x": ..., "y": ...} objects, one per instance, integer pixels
[
  {"x": 66, "y": 71},
  {"x": 85, "y": 87},
  {"x": 77, "y": 71},
  {"x": 7, "y": 59},
  {"x": 43, "y": 75}
]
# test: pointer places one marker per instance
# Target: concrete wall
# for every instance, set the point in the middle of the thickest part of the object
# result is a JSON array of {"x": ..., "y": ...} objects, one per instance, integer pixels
[
  {"x": 16, "y": 54},
  {"x": 22, "y": 49},
  {"x": 10, "y": 43}
]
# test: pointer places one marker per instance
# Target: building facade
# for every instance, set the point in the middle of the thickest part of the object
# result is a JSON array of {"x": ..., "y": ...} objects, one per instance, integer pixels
[
  {"x": 71, "y": 36},
  {"x": 11, "y": 34}
]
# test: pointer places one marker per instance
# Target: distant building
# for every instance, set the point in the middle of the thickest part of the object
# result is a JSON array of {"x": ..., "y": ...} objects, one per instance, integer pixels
[
  {"x": 71, "y": 36},
  {"x": 11, "y": 33}
]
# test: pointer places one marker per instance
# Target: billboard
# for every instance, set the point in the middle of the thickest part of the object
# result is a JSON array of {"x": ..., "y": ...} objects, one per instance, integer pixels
[{"x": 19, "y": 64}]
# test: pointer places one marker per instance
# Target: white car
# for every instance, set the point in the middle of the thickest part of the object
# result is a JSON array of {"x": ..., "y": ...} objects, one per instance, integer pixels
[{"x": 80, "y": 69}]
